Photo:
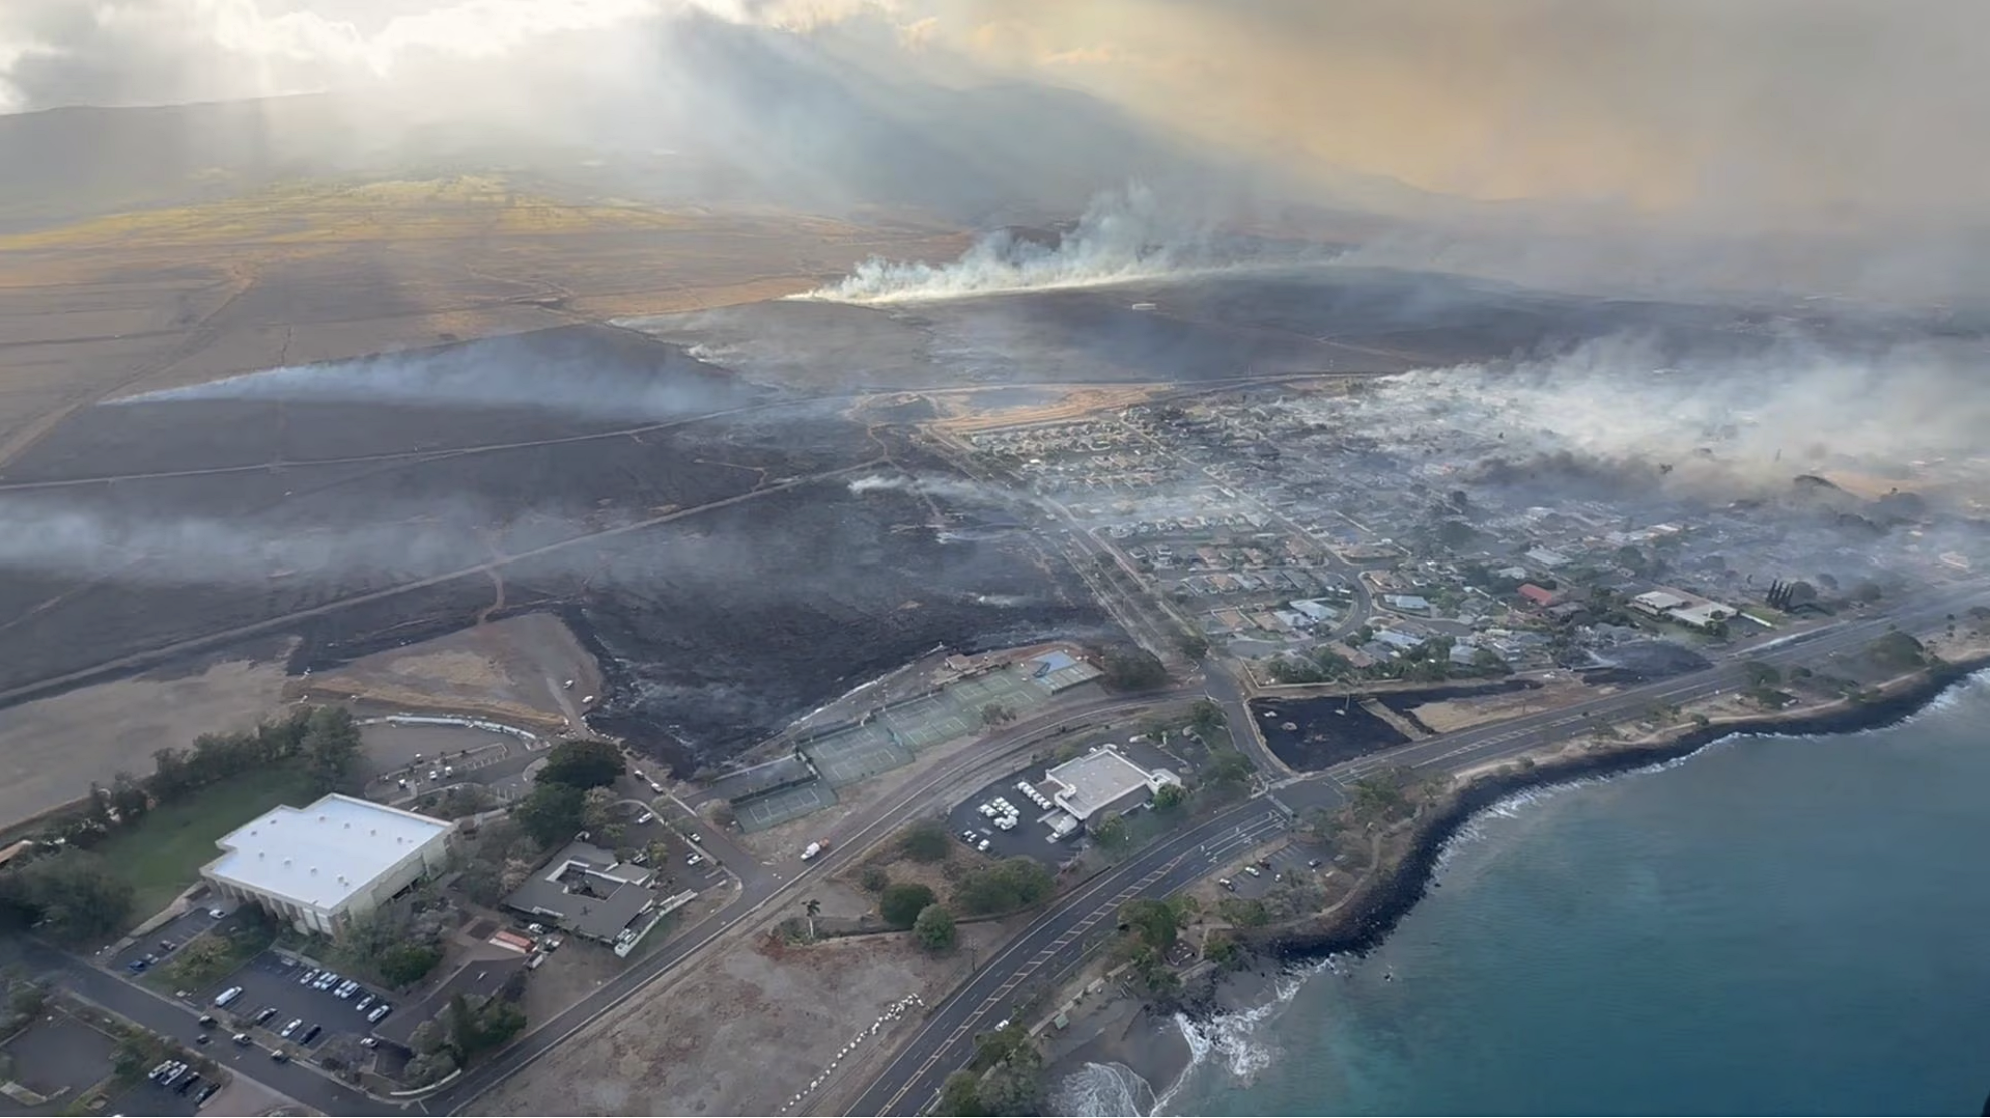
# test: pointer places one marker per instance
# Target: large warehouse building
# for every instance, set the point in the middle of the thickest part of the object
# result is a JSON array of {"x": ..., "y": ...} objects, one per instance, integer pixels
[{"x": 320, "y": 866}]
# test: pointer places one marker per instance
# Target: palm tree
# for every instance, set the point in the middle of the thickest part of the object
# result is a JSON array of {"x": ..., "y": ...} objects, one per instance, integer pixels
[{"x": 813, "y": 908}]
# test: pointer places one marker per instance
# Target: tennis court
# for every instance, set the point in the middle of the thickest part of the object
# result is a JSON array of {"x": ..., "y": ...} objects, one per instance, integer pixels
[
  {"x": 857, "y": 754},
  {"x": 775, "y": 808}
]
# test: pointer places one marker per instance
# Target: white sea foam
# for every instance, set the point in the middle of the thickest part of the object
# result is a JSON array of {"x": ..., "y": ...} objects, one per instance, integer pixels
[
  {"x": 1101, "y": 1090},
  {"x": 1238, "y": 1044}
]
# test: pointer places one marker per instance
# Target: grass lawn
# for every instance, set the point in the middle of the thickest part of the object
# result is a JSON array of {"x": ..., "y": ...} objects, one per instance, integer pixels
[{"x": 163, "y": 854}]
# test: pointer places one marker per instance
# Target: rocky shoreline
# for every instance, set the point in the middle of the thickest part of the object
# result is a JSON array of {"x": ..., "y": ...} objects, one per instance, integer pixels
[
  {"x": 1157, "y": 1053},
  {"x": 1374, "y": 911}
]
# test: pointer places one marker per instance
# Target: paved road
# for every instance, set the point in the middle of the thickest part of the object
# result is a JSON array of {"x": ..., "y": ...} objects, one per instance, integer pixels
[{"x": 946, "y": 1039}]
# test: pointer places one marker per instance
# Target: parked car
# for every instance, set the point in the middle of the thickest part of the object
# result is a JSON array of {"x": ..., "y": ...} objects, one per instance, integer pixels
[
  {"x": 290, "y": 1028},
  {"x": 379, "y": 1011},
  {"x": 365, "y": 1003},
  {"x": 310, "y": 1034}
]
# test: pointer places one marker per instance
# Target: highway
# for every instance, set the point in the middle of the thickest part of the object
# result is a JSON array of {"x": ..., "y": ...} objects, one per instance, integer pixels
[{"x": 945, "y": 1040}]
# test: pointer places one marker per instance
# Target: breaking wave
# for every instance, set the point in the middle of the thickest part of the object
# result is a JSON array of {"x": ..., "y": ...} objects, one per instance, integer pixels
[
  {"x": 1123, "y": 236},
  {"x": 1101, "y": 1090}
]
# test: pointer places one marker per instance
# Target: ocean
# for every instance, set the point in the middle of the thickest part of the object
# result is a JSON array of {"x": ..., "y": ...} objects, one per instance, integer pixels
[{"x": 1774, "y": 925}]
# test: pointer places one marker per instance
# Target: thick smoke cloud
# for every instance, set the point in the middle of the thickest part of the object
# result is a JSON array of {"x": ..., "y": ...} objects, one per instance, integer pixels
[{"x": 1725, "y": 425}]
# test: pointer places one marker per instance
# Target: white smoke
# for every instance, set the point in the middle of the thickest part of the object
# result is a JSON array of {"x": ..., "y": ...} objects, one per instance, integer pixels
[
  {"x": 1792, "y": 407},
  {"x": 1124, "y": 236},
  {"x": 40, "y": 537},
  {"x": 477, "y": 375},
  {"x": 949, "y": 488}
]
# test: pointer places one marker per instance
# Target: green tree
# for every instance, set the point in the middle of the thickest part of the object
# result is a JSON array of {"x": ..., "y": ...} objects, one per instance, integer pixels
[
  {"x": 1010, "y": 884},
  {"x": 901, "y": 904},
  {"x": 1224, "y": 950},
  {"x": 331, "y": 746},
  {"x": 934, "y": 928},
  {"x": 961, "y": 1095},
  {"x": 1132, "y": 668},
  {"x": 1228, "y": 766},
  {"x": 994, "y": 714},
  {"x": 811, "y": 908},
  {"x": 873, "y": 879},
  {"x": 551, "y": 813},
  {"x": 926, "y": 840},
  {"x": 1192, "y": 645},
  {"x": 1156, "y": 924},
  {"x": 405, "y": 964},
  {"x": 597, "y": 808},
  {"x": 1377, "y": 798},
  {"x": 75, "y": 894},
  {"x": 1760, "y": 674},
  {"x": 428, "y": 1038},
  {"x": 1206, "y": 717},
  {"x": 1170, "y": 797},
  {"x": 1897, "y": 650},
  {"x": 583, "y": 764},
  {"x": 1110, "y": 832}
]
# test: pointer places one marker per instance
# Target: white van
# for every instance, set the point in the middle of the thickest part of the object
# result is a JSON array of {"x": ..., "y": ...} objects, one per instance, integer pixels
[{"x": 228, "y": 995}]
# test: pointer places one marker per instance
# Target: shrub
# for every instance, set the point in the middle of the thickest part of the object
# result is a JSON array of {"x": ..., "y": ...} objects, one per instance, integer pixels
[
  {"x": 934, "y": 928},
  {"x": 901, "y": 904}
]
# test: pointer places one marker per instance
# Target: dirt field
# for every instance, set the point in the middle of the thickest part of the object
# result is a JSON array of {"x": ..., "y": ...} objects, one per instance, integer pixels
[
  {"x": 514, "y": 669},
  {"x": 51, "y": 749},
  {"x": 1458, "y": 714},
  {"x": 744, "y": 1033}
]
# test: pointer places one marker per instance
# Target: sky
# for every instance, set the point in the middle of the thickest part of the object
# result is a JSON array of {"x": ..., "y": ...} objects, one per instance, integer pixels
[{"x": 1807, "y": 114}]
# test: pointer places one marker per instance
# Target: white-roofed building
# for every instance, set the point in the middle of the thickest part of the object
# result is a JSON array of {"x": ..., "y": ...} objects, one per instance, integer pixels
[
  {"x": 318, "y": 866},
  {"x": 1101, "y": 781}
]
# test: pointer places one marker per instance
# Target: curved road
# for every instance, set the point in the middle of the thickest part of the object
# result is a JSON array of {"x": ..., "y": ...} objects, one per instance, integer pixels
[{"x": 945, "y": 1040}]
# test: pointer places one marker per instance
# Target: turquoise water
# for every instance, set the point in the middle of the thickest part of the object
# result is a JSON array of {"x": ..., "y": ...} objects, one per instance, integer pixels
[{"x": 1796, "y": 925}]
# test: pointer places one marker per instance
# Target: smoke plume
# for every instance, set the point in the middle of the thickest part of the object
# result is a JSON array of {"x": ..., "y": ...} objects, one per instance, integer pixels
[
  {"x": 1123, "y": 236},
  {"x": 497, "y": 374}
]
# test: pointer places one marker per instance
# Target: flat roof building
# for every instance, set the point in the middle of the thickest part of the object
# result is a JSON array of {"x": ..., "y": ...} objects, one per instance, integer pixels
[
  {"x": 1704, "y": 615},
  {"x": 1101, "y": 781},
  {"x": 320, "y": 866},
  {"x": 1657, "y": 603}
]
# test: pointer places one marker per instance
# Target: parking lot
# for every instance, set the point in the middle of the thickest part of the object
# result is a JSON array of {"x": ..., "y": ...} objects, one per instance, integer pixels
[
  {"x": 1029, "y": 837},
  {"x": 673, "y": 875},
  {"x": 177, "y": 932},
  {"x": 1290, "y": 859},
  {"x": 268, "y": 983}
]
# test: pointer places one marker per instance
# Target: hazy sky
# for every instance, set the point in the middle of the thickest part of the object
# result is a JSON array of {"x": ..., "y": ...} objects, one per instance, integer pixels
[{"x": 1808, "y": 112}]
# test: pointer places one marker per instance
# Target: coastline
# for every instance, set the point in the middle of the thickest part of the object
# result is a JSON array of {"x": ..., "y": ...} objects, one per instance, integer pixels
[{"x": 1285, "y": 953}]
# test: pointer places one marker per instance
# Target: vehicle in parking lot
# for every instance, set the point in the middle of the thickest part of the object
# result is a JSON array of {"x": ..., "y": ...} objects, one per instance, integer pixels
[
  {"x": 205, "y": 1094},
  {"x": 186, "y": 1084},
  {"x": 309, "y": 976},
  {"x": 693, "y": 859},
  {"x": 1227, "y": 884},
  {"x": 369, "y": 1042},
  {"x": 228, "y": 995},
  {"x": 218, "y": 914},
  {"x": 137, "y": 966},
  {"x": 268, "y": 1012},
  {"x": 348, "y": 988},
  {"x": 695, "y": 838},
  {"x": 290, "y": 1028},
  {"x": 646, "y": 817},
  {"x": 379, "y": 1011},
  {"x": 327, "y": 980},
  {"x": 982, "y": 846},
  {"x": 364, "y": 1002},
  {"x": 310, "y": 1034}
]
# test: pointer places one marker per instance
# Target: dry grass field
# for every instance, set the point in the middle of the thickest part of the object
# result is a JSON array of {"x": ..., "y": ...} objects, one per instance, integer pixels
[{"x": 310, "y": 272}]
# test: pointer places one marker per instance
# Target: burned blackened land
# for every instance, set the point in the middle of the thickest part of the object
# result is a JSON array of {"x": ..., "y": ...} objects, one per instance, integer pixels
[
  {"x": 706, "y": 535},
  {"x": 1323, "y": 732}
]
